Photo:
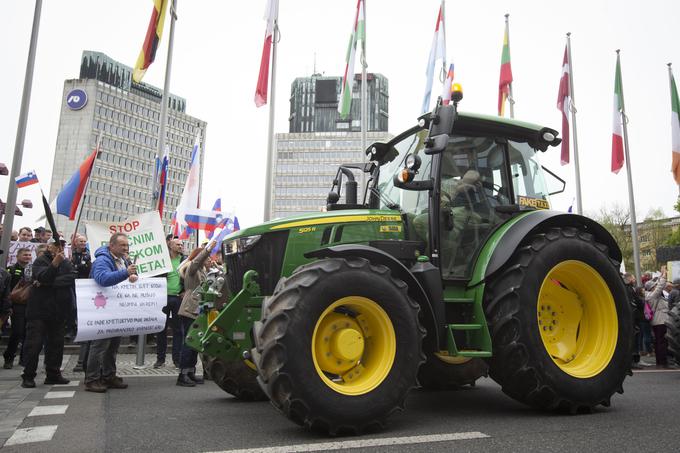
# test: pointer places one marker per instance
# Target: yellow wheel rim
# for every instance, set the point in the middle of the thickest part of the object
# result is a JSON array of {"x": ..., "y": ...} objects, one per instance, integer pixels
[
  {"x": 353, "y": 345},
  {"x": 577, "y": 319}
]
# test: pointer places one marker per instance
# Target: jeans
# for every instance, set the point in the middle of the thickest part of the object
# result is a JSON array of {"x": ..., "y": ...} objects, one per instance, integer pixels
[
  {"x": 53, "y": 332},
  {"x": 101, "y": 362},
  {"x": 18, "y": 334},
  {"x": 189, "y": 356},
  {"x": 645, "y": 344},
  {"x": 83, "y": 353},
  {"x": 172, "y": 320}
]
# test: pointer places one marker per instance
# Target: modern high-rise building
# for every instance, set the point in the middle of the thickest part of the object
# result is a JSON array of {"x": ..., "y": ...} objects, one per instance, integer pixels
[
  {"x": 319, "y": 141},
  {"x": 314, "y": 104},
  {"x": 104, "y": 100}
]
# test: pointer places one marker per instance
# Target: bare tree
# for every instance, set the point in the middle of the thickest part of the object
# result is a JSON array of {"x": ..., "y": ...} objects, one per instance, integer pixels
[{"x": 616, "y": 220}]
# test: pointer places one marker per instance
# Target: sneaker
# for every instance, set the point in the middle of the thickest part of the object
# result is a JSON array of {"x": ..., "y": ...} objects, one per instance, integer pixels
[
  {"x": 28, "y": 383},
  {"x": 159, "y": 364},
  {"x": 78, "y": 369},
  {"x": 56, "y": 380},
  {"x": 114, "y": 383},
  {"x": 95, "y": 386}
]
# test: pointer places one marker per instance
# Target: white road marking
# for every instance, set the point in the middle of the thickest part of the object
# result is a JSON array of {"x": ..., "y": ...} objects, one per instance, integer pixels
[
  {"x": 48, "y": 410},
  {"x": 363, "y": 443},
  {"x": 28, "y": 435},
  {"x": 66, "y": 394}
]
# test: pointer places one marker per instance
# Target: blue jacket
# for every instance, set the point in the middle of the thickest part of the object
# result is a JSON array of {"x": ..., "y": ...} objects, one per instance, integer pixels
[{"x": 104, "y": 270}]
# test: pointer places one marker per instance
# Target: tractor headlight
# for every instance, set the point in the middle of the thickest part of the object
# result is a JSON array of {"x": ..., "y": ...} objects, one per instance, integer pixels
[{"x": 241, "y": 245}]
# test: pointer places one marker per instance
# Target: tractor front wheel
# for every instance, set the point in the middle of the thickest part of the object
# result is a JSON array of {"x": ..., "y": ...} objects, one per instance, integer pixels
[
  {"x": 560, "y": 323},
  {"x": 339, "y": 346},
  {"x": 237, "y": 378}
]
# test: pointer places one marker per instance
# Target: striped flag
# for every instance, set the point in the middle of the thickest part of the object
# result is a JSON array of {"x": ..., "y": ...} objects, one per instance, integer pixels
[
  {"x": 358, "y": 34},
  {"x": 229, "y": 227},
  {"x": 190, "y": 197},
  {"x": 152, "y": 39},
  {"x": 619, "y": 112},
  {"x": 163, "y": 180},
  {"x": 271, "y": 15},
  {"x": 563, "y": 105},
  {"x": 437, "y": 52},
  {"x": 446, "y": 92},
  {"x": 26, "y": 180},
  {"x": 506, "y": 71},
  {"x": 675, "y": 128},
  {"x": 70, "y": 195},
  {"x": 217, "y": 207}
]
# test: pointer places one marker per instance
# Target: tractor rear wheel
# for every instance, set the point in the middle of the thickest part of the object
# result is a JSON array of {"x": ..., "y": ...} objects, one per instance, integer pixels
[
  {"x": 673, "y": 332},
  {"x": 560, "y": 323},
  {"x": 339, "y": 346},
  {"x": 237, "y": 378},
  {"x": 440, "y": 373}
]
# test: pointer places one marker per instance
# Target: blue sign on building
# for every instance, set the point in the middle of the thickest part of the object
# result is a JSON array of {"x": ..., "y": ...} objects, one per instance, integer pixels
[{"x": 76, "y": 99}]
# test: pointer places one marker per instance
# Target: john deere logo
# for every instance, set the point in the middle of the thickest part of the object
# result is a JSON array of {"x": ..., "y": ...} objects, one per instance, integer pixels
[{"x": 76, "y": 99}]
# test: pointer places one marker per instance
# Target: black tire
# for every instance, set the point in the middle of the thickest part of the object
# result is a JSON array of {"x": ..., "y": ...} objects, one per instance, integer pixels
[
  {"x": 284, "y": 357},
  {"x": 521, "y": 363},
  {"x": 237, "y": 379},
  {"x": 207, "y": 362},
  {"x": 673, "y": 332},
  {"x": 435, "y": 374}
]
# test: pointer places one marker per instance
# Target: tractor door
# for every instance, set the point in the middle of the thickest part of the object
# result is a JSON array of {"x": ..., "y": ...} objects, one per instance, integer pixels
[{"x": 474, "y": 179}]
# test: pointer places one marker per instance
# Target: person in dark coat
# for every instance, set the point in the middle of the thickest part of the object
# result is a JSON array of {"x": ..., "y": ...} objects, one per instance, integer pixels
[
  {"x": 19, "y": 272},
  {"x": 46, "y": 312}
]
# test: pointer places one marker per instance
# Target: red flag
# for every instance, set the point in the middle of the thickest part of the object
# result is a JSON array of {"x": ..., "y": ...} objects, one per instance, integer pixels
[
  {"x": 271, "y": 15},
  {"x": 563, "y": 105}
]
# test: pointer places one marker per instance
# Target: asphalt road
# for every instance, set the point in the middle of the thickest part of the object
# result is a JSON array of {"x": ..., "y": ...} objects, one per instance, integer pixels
[{"x": 155, "y": 415}]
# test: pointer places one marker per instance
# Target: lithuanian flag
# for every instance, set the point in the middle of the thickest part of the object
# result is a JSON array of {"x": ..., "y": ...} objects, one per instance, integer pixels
[
  {"x": 153, "y": 37},
  {"x": 506, "y": 71}
]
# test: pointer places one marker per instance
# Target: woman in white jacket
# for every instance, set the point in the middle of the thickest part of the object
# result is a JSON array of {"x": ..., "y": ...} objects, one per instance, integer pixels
[{"x": 659, "y": 305}]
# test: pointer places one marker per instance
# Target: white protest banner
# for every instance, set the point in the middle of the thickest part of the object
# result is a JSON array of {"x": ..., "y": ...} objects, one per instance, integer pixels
[
  {"x": 16, "y": 245},
  {"x": 147, "y": 241},
  {"x": 120, "y": 310}
]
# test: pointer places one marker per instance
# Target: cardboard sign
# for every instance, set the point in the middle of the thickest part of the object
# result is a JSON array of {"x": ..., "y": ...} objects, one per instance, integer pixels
[
  {"x": 16, "y": 245},
  {"x": 120, "y": 310},
  {"x": 148, "y": 248}
]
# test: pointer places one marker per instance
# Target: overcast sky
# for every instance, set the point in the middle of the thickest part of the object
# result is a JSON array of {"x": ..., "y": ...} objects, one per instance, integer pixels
[{"x": 216, "y": 61}]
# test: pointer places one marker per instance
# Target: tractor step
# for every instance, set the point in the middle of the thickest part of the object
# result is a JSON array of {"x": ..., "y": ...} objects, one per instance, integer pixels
[
  {"x": 480, "y": 354},
  {"x": 465, "y": 326},
  {"x": 459, "y": 300}
]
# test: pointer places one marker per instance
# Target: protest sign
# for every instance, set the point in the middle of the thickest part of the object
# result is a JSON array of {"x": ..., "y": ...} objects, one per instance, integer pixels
[
  {"x": 147, "y": 241},
  {"x": 16, "y": 245},
  {"x": 120, "y": 310}
]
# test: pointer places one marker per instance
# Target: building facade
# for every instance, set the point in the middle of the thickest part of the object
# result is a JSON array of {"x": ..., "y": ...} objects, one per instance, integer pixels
[
  {"x": 319, "y": 141},
  {"x": 104, "y": 100}
]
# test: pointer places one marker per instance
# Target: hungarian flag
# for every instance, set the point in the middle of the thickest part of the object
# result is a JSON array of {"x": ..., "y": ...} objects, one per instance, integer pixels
[
  {"x": 506, "y": 72},
  {"x": 437, "y": 52},
  {"x": 358, "y": 34},
  {"x": 617, "y": 134},
  {"x": 675, "y": 128},
  {"x": 563, "y": 105},
  {"x": 271, "y": 15},
  {"x": 153, "y": 37}
]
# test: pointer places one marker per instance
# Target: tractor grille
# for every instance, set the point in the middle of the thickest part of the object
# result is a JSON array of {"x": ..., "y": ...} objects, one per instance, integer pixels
[{"x": 265, "y": 257}]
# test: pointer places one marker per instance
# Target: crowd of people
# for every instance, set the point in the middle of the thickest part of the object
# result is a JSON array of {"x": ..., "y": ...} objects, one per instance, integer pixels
[
  {"x": 651, "y": 301},
  {"x": 38, "y": 306}
]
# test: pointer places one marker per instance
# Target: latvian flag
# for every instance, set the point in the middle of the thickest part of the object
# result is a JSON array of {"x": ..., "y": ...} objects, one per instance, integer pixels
[
  {"x": 27, "y": 179},
  {"x": 152, "y": 39}
]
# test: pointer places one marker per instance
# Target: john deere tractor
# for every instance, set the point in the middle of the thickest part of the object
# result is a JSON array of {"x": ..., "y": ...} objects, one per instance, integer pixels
[{"x": 450, "y": 267}]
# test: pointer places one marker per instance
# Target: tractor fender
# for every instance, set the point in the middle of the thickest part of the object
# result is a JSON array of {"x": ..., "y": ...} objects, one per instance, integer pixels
[
  {"x": 377, "y": 256},
  {"x": 540, "y": 221}
]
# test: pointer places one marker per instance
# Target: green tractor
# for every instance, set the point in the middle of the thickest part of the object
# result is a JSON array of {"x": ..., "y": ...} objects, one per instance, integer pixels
[{"x": 452, "y": 267}]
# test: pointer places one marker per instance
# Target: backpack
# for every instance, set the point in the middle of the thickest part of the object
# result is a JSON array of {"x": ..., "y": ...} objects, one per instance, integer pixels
[{"x": 649, "y": 313}]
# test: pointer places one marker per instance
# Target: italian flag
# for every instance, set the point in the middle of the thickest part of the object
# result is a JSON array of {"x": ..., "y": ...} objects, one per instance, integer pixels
[
  {"x": 675, "y": 128},
  {"x": 617, "y": 134},
  {"x": 358, "y": 34},
  {"x": 506, "y": 72}
]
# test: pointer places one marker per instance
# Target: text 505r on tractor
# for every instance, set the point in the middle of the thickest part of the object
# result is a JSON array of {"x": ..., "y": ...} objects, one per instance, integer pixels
[{"x": 450, "y": 268}]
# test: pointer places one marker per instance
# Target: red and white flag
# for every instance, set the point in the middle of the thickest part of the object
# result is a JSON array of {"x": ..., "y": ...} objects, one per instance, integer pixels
[
  {"x": 271, "y": 15},
  {"x": 563, "y": 105},
  {"x": 617, "y": 126}
]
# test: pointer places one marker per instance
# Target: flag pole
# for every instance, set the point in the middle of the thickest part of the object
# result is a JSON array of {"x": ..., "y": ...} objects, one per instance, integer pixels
[
  {"x": 364, "y": 106},
  {"x": 572, "y": 107},
  {"x": 141, "y": 339},
  {"x": 270, "y": 133},
  {"x": 21, "y": 136},
  {"x": 511, "y": 99},
  {"x": 87, "y": 186},
  {"x": 631, "y": 197}
]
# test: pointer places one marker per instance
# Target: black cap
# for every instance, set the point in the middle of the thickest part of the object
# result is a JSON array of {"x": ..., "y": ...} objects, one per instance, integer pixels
[{"x": 39, "y": 229}]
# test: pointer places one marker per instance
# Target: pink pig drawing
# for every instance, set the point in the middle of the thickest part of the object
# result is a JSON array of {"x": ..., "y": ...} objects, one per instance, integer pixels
[{"x": 99, "y": 300}]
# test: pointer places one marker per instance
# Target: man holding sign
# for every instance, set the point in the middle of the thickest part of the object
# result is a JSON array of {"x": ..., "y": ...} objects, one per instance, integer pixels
[{"x": 111, "y": 267}]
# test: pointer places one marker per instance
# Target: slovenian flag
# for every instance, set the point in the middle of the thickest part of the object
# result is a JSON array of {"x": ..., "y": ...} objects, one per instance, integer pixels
[
  {"x": 69, "y": 197},
  {"x": 200, "y": 219},
  {"x": 218, "y": 208},
  {"x": 230, "y": 226},
  {"x": 26, "y": 180}
]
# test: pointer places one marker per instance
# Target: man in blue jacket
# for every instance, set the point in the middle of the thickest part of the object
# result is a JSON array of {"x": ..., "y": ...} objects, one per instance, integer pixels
[{"x": 111, "y": 266}]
